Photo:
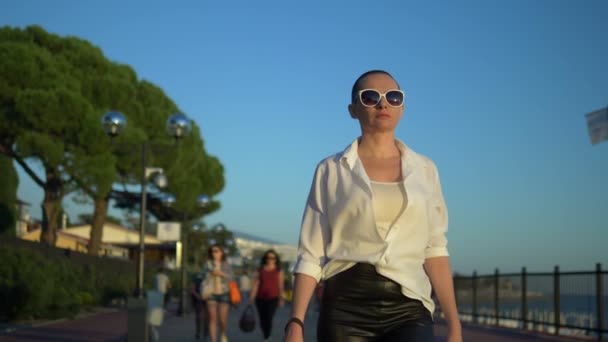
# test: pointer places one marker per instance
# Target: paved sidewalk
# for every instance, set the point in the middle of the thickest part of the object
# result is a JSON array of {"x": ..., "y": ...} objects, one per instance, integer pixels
[
  {"x": 111, "y": 325},
  {"x": 102, "y": 325},
  {"x": 182, "y": 329},
  {"x": 481, "y": 333}
]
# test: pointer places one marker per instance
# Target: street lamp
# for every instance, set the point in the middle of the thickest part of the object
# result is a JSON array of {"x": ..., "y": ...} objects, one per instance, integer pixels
[
  {"x": 202, "y": 201},
  {"x": 219, "y": 227},
  {"x": 178, "y": 126},
  {"x": 167, "y": 200}
]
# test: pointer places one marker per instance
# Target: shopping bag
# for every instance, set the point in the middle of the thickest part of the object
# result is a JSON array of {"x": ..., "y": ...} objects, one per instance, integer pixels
[
  {"x": 247, "y": 321},
  {"x": 206, "y": 289},
  {"x": 235, "y": 293}
]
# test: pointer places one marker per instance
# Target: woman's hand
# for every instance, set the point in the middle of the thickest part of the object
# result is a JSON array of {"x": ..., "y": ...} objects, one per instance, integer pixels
[
  {"x": 217, "y": 273},
  {"x": 294, "y": 333},
  {"x": 454, "y": 331},
  {"x": 454, "y": 338}
]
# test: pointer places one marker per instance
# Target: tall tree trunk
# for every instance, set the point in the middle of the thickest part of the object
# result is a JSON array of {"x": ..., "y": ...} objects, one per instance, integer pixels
[
  {"x": 99, "y": 219},
  {"x": 9, "y": 182},
  {"x": 51, "y": 207}
]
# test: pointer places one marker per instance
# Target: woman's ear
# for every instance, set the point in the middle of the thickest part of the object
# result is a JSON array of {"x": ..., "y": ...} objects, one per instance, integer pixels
[{"x": 351, "y": 110}]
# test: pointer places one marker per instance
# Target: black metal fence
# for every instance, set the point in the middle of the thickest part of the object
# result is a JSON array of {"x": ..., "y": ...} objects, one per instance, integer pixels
[{"x": 560, "y": 303}]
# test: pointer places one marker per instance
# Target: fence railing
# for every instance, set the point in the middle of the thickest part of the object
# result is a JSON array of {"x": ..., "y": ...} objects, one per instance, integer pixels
[{"x": 560, "y": 303}]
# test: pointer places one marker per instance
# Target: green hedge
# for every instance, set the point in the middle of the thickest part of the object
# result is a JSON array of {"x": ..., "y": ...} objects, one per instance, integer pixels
[{"x": 33, "y": 287}]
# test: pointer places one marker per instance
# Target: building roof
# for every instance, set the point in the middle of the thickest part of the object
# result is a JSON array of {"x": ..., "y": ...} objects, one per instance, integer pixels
[
  {"x": 34, "y": 235},
  {"x": 114, "y": 234}
]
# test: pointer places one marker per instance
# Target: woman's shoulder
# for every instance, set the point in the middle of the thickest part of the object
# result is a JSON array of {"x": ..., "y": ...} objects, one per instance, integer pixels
[
  {"x": 416, "y": 156},
  {"x": 331, "y": 159},
  {"x": 337, "y": 156},
  {"x": 330, "y": 162}
]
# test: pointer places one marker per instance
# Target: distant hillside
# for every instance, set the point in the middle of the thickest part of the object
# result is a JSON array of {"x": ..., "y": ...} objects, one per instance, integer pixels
[{"x": 256, "y": 238}]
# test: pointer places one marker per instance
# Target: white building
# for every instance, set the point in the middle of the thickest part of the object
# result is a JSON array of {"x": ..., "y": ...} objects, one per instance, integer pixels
[{"x": 251, "y": 246}]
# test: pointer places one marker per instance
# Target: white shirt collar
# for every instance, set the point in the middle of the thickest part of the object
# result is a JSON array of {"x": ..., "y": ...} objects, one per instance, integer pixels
[{"x": 409, "y": 158}]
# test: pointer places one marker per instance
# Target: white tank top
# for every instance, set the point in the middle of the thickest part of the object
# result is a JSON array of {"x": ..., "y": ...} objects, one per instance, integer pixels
[{"x": 389, "y": 201}]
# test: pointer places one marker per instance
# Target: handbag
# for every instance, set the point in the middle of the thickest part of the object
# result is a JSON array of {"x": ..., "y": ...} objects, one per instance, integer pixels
[
  {"x": 206, "y": 289},
  {"x": 235, "y": 294},
  {"x": 247, "y": 321}
]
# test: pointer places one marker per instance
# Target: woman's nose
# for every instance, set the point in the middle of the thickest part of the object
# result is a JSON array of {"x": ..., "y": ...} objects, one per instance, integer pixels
[{"x": 382, "y": 103}]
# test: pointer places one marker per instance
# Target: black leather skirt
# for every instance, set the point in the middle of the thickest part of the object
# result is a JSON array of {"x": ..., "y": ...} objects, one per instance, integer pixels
[{"x": 361, "y": 305}]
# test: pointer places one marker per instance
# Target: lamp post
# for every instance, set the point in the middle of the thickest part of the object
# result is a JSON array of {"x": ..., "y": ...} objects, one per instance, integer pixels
[
  {"x": 202, "y": 201},
  {"x": 178, "y": 126}
]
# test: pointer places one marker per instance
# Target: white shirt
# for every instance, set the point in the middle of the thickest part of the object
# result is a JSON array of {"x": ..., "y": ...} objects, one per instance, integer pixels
[
  {"x": 339, "y": 226},
  {"x": 162, "y": 280}
]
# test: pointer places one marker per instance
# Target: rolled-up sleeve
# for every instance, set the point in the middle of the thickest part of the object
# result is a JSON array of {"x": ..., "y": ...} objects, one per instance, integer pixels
[
  {"x": 438, "y": 220},
  {"x": 314, "y": 232}
]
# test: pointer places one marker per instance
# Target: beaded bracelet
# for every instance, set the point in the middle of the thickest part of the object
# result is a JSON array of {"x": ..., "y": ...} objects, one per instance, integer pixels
[{"x": 295, "y": 320}]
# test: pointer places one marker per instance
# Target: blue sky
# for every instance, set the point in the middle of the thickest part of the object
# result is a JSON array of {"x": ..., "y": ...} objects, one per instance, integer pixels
[{"x": 496, "y": 96}]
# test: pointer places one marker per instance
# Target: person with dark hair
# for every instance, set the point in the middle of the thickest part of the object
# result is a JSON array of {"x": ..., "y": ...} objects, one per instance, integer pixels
[
  {"x": 201, "y": 318},
  {"x": 217, "y": 274},
  {"x": 374, "y": 230},
  {"x": 267, "y": 290}
]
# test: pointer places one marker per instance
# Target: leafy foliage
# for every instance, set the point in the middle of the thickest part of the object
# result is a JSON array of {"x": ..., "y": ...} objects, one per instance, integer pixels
[
  {"x": 34, "y": 286},
  {"x": 54, "y": 91}
]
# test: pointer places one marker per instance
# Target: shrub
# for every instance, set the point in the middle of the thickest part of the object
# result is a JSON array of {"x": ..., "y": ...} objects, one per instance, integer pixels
[{"x": 36, "y": 285}]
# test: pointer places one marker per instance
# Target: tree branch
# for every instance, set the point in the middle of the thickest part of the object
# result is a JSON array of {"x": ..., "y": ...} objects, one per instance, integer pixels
[
  {"x": 11, "y": 153},
  {"x": 83, "y": 187}
]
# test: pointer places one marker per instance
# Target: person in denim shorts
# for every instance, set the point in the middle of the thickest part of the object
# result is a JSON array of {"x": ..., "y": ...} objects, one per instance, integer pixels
[{"x": 218, "y": 273}]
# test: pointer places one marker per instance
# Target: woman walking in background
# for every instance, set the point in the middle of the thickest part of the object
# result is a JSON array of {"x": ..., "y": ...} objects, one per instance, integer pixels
[
  {"x": 162, "y": 284},
  {"x": 374, "y": 229},
  {"x": 201, "y": 320},
  {"x": 218, "y": 274},
  {"x": 267, "y": 290}
]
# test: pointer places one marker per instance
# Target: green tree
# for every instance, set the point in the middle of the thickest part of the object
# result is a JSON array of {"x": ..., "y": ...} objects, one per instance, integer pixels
[
  {"x": 189, "y": 169},
  {"x": 197, "y": 247},
  {"x": 46, "y": 119},
  {"x": 110, "y": 86},
  {"x": 56, "y": 115},
  {"x": 9, "y": 181},
  {"x": 53, "y": 92}
]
